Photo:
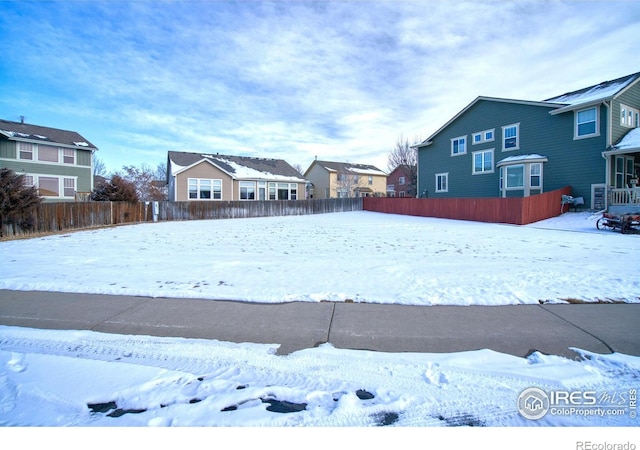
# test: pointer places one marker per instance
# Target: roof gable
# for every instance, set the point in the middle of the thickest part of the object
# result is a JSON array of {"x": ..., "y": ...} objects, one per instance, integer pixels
[
  {"x": 238, "y": 167},
  {"x": 562, "y": 103},
  {"x": 34, "y": 133},
  {"x": 428, "y": 141}
]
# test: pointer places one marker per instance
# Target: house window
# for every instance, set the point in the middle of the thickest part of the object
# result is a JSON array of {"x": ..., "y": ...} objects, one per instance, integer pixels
[
  {"x": 49, "y": 186},
  {"x": 247, "y": 190},
  {"x": 442, "y": 182},
  {"x": 401, "y": 181},
  {"x": 370, "y": 180},
  {"x": 629, "y": 116},
  {"x": 514, "y": 176},
  {"x": 536, "y": 175},
  {"x": 28, "y": 180},
  {"x": 69, "y": 187},
  {"x": 586, "y": 123},
  {"x": 511, "y": 137},
  {"x": 483, "y": 136},
  {"x": 25, "y": 150},
  {"x": 459, "y": 146},
  {"x": 620, "y": 172},
  {"x": 205, "y": 189},
  {"x": 47, "y": 153},
  {"x": 69, "y": 156},
  {"x": 483, "y": 162}
]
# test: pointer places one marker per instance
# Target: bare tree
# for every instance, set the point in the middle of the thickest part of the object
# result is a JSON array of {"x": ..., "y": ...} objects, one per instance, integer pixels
[
  {"x": 402, "y": 154},
  {"x": 99, "y": 168},
  {"x": 347, "y": 182},
  {"x": 145, "y": 179},
  {"x": 405, "y": 156}
]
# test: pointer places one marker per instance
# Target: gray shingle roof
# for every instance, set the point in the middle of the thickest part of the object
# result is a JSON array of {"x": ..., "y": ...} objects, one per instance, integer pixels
[
  {"x": 37, "y": 133},
  {"x": 600, "y": 91},
  {"x": 275, "y": 167},
  {"x": 349, "y": 167}
]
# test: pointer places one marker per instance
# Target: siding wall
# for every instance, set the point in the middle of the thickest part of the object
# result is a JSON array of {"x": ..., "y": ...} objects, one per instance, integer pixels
[
  {"x": 203, "y": 170},
  {"x": 571, "y": 162},
  {"x": 319, "y": 177}
]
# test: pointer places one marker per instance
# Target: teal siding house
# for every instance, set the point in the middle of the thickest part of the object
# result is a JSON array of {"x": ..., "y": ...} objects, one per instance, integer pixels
[
  {"x": 58, "y": 163},
  {"x": 495, "y": 147}
]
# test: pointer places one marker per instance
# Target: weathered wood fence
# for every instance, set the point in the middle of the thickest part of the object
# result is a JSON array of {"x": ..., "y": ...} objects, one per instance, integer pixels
[
  {"x": 513, "y": 210},
  {"x": 66, "y": 216}
]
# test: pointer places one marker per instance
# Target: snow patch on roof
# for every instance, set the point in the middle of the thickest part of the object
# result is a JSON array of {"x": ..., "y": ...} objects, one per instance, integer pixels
[
  {"x": 518, "y": 158},
  {"x": 240, "y": 171},
  {"x": 630, "y": 141},
  {"x": 81, "y": 144},
  {"x": 371, "y": 171},
  {"x": 599, "y": 92}
]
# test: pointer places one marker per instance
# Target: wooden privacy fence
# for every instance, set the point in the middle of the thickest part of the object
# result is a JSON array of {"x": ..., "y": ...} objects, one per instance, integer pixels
[
  {"x": 513, "y": 210},
  {"x": 65, "y": 216},
  {"x": 244, "y": 209}
]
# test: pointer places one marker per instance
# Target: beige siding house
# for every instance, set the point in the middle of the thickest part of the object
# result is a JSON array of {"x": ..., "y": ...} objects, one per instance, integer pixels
[
  {"x": 343, "y": 180},
  {"x": 207, "y": 177}
]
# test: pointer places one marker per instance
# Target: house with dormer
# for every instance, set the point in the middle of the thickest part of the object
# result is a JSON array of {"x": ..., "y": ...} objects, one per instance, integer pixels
[
  {"x": 215, "y": 177},
  {"x": 59, "y": 163},
  {"x": 496, "y": 147}
]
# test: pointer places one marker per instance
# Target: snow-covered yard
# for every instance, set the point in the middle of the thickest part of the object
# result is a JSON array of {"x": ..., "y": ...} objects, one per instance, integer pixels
[
  {"x": 359, "y": 256},
  {"x": 88, "y": 379}
]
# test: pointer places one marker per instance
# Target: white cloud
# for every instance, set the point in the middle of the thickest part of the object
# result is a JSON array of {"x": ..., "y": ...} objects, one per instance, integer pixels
[{"x": 334, "y": 79}]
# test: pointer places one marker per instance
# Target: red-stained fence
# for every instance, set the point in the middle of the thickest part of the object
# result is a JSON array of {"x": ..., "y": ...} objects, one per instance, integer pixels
[{"x": 513, "y": 210}]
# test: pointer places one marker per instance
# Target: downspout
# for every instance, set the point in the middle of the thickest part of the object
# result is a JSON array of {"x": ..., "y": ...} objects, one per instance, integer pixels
[{"x": 608, "y": 143}]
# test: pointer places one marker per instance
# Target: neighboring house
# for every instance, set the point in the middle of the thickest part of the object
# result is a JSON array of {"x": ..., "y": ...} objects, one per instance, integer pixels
[
  {"x": 586, "y": 139},
  {"x": 344, "y": 180},
  {"x": 401, "y": 182},
  {"x": 58, "y": 163},
  {"x": 197, "y": 176}
]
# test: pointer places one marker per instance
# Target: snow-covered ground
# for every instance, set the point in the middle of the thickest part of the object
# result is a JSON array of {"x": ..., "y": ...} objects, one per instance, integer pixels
[
  {"x": 87, "y": 379},
  {"x": 359, "y": 256}
]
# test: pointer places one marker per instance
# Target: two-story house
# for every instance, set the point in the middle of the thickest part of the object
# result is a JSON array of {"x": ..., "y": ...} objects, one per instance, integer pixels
[
  {"x": 59, "y": 163},
  {"x": 586, "y": 139},
  {"x": 331, "y": 179},
  {"x": 401, "y": 182},
  {"x": 208, "y": 177}
]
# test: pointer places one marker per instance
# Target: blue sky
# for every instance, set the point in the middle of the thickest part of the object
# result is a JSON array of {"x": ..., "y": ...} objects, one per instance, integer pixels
[{"x": 340, "y": 80}]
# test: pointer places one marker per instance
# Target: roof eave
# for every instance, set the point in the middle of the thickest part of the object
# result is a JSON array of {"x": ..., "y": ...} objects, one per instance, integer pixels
[{"x": 574, "y": 107}]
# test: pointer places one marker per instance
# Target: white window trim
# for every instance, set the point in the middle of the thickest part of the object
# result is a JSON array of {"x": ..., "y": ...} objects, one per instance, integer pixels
[
  {"x": 35, "y": 154},
  {"x": 197, "y": 180},
  {"x": 444, "y": 175},
  {"x": 483, "y": 137},
  {"x": 246, "y": 184},
  {"x": 36, "y": 183},
  {"x": 634, "y": 116},
  {"x": 517, "y": 146},
  {"x": 506, "y": 178},
  {"x": 473, "y": 162},
  {"x": 575, "y": 124},
  {"x": 465, "y": 145}
]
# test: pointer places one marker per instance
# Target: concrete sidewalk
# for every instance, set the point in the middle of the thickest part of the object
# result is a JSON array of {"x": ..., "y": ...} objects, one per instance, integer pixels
[{"x": 516, "y": 330}]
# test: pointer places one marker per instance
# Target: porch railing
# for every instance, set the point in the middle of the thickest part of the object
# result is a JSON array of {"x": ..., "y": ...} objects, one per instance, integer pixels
[{"x": 624, "y": 196}]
